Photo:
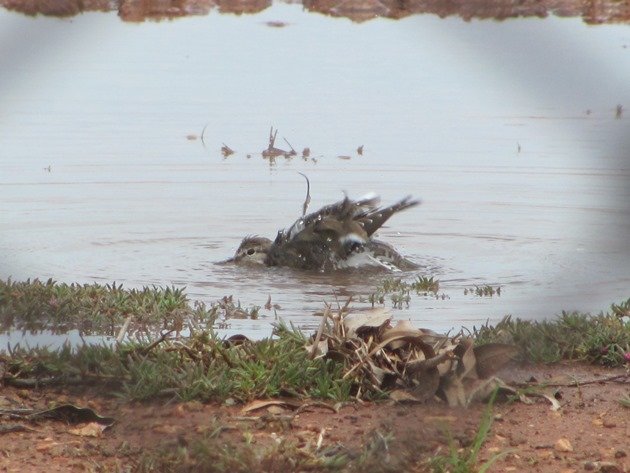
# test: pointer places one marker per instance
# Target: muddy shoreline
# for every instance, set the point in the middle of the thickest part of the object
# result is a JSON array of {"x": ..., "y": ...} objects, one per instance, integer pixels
[
  {"x": 592, "y": 12},
  {"x": 588, "y": 432}
]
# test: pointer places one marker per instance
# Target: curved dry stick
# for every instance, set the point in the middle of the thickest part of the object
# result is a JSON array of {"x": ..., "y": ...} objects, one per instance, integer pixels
[
  {"x": 576, "y": 383},
  {"x": 202, "y": 133},
  {"x": 320, "y": 331},
  {"x": 307, "y": 200}
]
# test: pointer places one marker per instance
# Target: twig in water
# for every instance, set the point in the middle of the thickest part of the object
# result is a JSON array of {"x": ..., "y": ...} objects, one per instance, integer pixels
[
  {"x": 307, "y": 200},
  {"x": 293, "y": 152},
  {"x": 202, "y": 133},
  {"x": 272, "y": 137},
  {"x": 226, "y": 150}
]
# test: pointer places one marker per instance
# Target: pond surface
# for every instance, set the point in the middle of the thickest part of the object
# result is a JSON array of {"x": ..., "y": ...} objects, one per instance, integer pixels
[{"x": 508, "y": 132}]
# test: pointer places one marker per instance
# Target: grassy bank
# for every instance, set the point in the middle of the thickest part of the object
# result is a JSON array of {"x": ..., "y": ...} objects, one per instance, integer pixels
[{"x": 204, "y": 367}]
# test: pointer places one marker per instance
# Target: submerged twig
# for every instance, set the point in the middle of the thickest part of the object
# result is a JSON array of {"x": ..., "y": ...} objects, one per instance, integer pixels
[
  {"x": 226, "y": 150},
  {"x": 293, "y": 152},
  {"x": 272, "y": 152}
]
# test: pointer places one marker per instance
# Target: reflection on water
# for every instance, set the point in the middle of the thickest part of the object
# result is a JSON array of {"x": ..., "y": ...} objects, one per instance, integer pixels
[
  {"x": 594, "y": 12},
  {"x": 510, "y": 139}
]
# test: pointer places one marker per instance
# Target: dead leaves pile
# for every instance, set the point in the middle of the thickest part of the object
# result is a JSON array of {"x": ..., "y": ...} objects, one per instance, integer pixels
[
  {"x": 88, "y": 422},
  {"x": 410, "y": 364}
]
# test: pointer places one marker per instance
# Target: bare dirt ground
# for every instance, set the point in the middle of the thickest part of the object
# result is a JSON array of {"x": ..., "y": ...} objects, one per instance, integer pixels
[{"x": 590, "y": 431}]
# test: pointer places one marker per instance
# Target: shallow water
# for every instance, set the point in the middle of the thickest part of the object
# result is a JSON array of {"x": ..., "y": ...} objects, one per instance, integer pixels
[{"x": 506, "y": 131}]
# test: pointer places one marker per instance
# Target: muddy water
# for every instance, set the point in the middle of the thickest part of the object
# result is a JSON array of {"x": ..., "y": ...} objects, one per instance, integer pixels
[{"x": 507, "y": 131}]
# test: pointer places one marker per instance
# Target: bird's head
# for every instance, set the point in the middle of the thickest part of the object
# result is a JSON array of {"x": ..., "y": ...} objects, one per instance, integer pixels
[{"x": 252, "y": 250}]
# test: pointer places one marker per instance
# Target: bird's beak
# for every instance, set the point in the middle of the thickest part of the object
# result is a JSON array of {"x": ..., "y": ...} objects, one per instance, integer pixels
[{"x": 227, "y": 261}]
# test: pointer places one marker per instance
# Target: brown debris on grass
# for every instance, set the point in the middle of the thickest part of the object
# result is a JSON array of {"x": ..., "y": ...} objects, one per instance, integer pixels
[{"x": 407, "y": 363}]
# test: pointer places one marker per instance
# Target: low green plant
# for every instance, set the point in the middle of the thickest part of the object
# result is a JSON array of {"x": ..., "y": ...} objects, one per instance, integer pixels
[
  {"x": 96, "y": 309},
  {"x": 465, "y": 460},
  {"x": 399, "y": 291},
  {"x": 602, "y": 339},
  {"x": 481, "y": 291},
  {"x": 202, "y": 367}
]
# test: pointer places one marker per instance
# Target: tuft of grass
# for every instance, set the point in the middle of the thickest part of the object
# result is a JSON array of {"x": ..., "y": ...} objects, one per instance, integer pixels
[
  {"x": 603, "y": 339},
  {"x": 622, "y": 309},
  {"x": 483, "y": 291},
  {"x": 465, "y": 460},
  {"x": 399, "y": 291},
  {"x": 424, "y": 285}
]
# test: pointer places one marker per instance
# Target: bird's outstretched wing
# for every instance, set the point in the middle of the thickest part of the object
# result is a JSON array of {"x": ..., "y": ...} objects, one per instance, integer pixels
[{"x": 334, "y": 232}]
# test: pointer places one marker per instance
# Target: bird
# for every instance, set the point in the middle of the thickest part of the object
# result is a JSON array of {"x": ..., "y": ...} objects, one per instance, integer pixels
[{"x": 336, "y": 237}]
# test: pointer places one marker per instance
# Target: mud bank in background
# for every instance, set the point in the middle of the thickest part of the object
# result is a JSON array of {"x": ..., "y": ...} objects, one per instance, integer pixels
[{"x": 592, "y": 12}]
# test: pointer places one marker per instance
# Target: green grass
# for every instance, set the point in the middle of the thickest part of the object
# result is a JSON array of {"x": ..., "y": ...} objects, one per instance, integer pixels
[
  {"x": 466, "y": 460},
  {"x": 483, "y": 291},
  {"x": 603, "y": 339},
  {"x": 206, "y": 368},
  {"x": 96, "y": 309},
  {"x": 203, "y": 367},
  {"x": 399, "y": 291}
]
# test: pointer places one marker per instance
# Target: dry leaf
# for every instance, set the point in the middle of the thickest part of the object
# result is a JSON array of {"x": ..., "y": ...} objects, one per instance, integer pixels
[
  {"x": 402, "y": 395},
  {"x": 467, "y": 360},
  {"x": 555, "y": 405},
  {"x": 320, "y": 350},
  {"x": 92, "y": 429},
  {"x": 563, "y": 445},
  {"x": 480, "y": 389},
  {"x": 276, "y": 410},
  {"x": 261, "y": 404},
  {"x": 371, "y": 318},
  {"x": 453, "y": 391},
  {"x": 492, "y": 357},
  {"x": 426, "y": 384},
  {"x": 165, "y": 429}
]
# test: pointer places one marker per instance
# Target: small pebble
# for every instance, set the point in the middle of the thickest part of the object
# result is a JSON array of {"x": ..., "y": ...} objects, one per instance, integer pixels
[
  {"x": 609, "y": 467},
  {"x": 563, "y": 445}
]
